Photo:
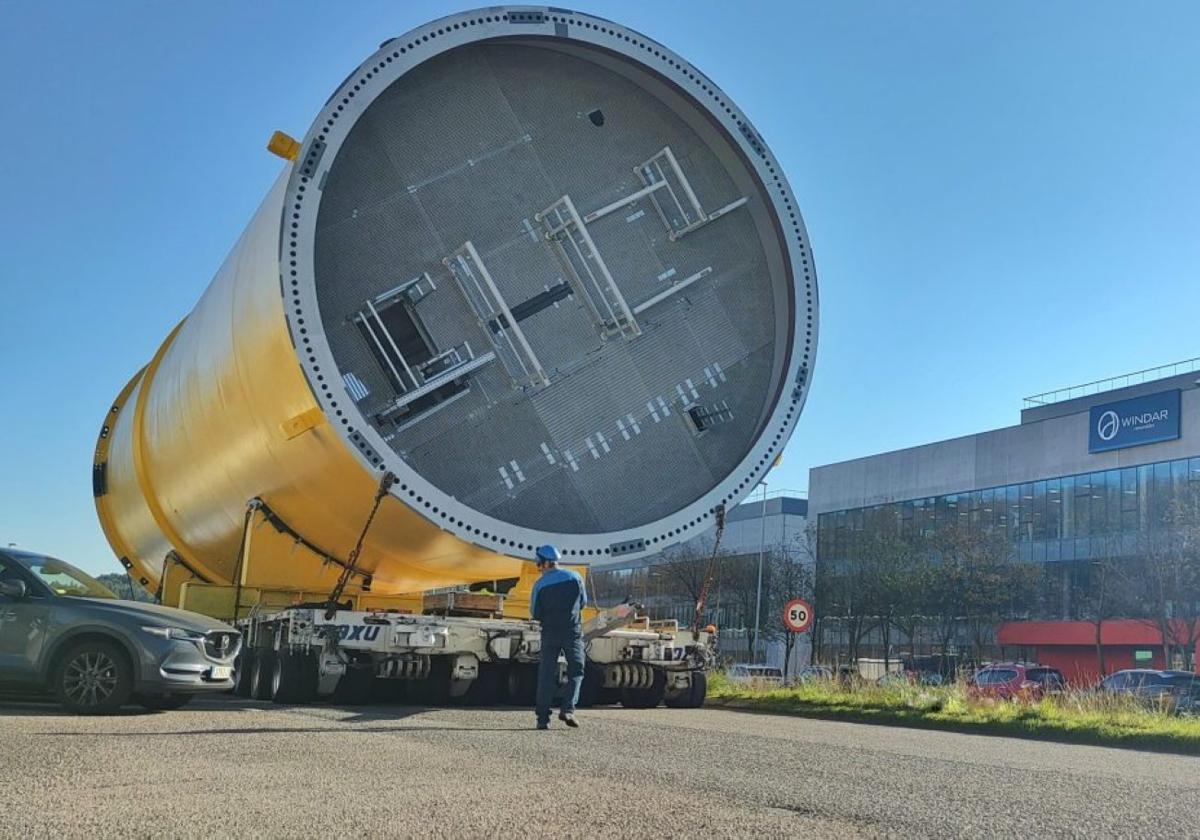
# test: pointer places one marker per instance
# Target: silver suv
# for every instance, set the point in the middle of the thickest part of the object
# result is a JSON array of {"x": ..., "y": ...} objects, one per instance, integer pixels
[{"x": 63, "y": 631}]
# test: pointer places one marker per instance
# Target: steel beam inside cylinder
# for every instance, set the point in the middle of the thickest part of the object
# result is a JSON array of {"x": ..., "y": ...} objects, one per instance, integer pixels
[
  {"x": 391, "y": 341},
  {"x": 386, "y": 358},
  {"x": 562, "y": 221},
  {"x": 489, "y": 296},
  {"x": 623, "y": 202},
  {"x": 674, "y": 288}
]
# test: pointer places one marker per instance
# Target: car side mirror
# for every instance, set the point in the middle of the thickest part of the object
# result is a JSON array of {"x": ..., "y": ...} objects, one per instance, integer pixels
[{"x": 14, "y": 589}]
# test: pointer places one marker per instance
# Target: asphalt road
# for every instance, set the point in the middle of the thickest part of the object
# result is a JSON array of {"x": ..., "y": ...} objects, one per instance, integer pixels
[{"x": 226, "y": 767}]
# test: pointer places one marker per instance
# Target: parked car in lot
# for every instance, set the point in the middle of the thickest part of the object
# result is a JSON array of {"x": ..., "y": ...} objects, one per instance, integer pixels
[
  {"x": 1175, "y": 689},
  {"x": 814, "y": 673},
  {"x": 759, "y": 675},
  {"x": 1187, "y": 701},
  {"x": 1011, "y": 680},
  {"x": 64, "y": 632}
]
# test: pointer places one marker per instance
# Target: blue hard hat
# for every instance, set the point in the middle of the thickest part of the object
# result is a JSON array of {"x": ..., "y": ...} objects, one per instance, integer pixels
[{"x": 547, "y": 554}]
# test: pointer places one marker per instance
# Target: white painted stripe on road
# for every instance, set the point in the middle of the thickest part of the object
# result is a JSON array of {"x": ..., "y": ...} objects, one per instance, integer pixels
[{"x": 549, "y": 455}]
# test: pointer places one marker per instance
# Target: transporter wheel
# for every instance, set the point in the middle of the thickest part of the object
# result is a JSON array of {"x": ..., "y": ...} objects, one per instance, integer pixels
[
  {"x": 434, "y": 690},
  {"x": 645, "y": 698},
  {"x": 488, "y": 688},
  {"x": 355, "y": 687},
  {"x": 691, "y": 697},
  {"x": 290, "y": 678},
  {"x": 93, "y": 678},
  {"x": 592, "y": 690},
  {"x": 262, "y": 680},
  {"x": 522, "y": 685},
  {"x": 243, "y": 672},
  {"x": 162, "y": 702}
]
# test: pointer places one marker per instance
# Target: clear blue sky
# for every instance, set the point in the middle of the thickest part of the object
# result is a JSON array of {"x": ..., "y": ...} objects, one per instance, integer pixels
[{"x": 1002, "y": 198}]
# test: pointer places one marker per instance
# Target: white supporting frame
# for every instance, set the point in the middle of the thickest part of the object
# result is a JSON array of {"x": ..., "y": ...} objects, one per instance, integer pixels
[
  {"x": 468, "y": 269},
  {"x": 563, "y": 224},
  {"x": 693, "y": 216}
]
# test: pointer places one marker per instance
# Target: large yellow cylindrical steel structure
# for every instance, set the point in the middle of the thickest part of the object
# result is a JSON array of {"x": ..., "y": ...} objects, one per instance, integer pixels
[{"x": 529, "y": 261}]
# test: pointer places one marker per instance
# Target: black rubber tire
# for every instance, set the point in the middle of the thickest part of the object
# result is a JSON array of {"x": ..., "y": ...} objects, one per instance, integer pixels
[
  {"x": 243, "y": 672},
  {"x": 522, "y": 685},
  {"x": 434, "y": 690},
  {"x": 162, "y": 702},
  {"x": 691, "y": 697},
  {"x": 592, "y": 690},
  {"x": 646, "y": 698},
  {"x": 261, "y": 680},
  {"x": 290, "y": 677},
  {"x": 354, "y": 687},
  {"x": 681, "y": 699},
  {"x": 102, "y": 661},
  {"x": 488, "y": 688}
]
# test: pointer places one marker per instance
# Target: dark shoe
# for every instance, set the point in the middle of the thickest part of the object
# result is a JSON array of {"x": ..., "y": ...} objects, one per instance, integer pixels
[
  {"x": 569, "y": 719},
  {"x": 543, "y": 724}
]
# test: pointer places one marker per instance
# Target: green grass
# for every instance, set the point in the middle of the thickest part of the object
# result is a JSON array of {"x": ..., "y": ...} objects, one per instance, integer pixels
[{"x": 1078, "y": 717}]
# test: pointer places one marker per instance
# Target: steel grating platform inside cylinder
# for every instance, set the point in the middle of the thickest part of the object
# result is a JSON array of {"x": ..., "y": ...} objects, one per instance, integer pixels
[{"x": 555, "y": 293}]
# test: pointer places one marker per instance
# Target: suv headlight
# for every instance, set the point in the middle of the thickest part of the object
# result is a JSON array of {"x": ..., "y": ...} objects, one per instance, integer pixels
[{"x": 177, "y": 633}]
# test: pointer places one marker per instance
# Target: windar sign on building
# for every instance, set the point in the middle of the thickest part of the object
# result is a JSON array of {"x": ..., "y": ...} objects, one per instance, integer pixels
[{"x": 798, "y": 615}]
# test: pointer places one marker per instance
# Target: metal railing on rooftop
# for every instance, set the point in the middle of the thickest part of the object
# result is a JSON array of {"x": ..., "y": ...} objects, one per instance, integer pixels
[{"x": 1112, "y": 383}]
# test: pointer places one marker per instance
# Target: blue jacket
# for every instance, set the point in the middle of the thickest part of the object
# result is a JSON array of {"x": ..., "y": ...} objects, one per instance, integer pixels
[{"x": 558, "y": 596}]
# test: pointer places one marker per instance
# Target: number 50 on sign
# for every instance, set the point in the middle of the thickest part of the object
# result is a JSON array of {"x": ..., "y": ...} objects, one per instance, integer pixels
[{"x": 798, "y": 615}]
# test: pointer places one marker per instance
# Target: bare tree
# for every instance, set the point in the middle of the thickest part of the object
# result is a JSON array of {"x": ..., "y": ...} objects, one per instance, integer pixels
[
  {"x": 989, "y": 580},
  {"x": 1171, "y": 573},
  {"x": 1105, "y": 596}
]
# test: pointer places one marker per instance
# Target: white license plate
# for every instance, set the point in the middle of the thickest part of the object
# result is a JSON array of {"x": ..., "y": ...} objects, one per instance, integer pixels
[{"x": 220, "y": 672}]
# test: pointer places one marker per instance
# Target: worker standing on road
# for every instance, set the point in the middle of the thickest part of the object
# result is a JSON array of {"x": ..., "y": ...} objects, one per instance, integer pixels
[{"x": 557, "y": 599}]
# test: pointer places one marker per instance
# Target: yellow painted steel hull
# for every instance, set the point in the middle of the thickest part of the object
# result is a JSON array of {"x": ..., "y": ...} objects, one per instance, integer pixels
[{"x": 222, "y": 415}]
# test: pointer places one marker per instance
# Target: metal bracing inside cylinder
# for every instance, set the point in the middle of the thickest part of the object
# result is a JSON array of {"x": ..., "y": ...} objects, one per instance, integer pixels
[
  {"x": 424, "y": 377},
  {"x": 495, "y": 317},
  {"x": 680, "y": 216},
  {"x": 587, "y": 269}
]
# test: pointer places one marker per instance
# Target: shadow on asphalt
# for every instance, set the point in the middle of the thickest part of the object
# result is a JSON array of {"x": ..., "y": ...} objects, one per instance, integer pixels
[{"x": 43, "y": 707}]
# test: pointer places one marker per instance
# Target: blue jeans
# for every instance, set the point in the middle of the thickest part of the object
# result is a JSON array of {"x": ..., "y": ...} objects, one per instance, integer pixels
[{"x": 570, "y": 642}]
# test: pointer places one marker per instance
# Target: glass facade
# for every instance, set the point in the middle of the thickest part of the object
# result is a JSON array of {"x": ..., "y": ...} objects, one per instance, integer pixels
[{"x": 1070, "y": 518}]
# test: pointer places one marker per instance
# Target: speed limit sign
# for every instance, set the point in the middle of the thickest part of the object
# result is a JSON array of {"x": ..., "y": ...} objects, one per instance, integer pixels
[{"x": 798, "y": 615}]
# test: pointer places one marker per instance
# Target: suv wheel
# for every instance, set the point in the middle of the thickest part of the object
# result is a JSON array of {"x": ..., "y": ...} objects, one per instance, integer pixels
[{"x": 93, "y": 678}]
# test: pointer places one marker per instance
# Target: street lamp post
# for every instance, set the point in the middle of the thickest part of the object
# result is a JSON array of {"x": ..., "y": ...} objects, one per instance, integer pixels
[{"x": 762, "y": 547}]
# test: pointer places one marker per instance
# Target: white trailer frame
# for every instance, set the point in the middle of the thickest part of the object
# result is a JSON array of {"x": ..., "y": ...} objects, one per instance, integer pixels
[{"x": 391, "y": 645}]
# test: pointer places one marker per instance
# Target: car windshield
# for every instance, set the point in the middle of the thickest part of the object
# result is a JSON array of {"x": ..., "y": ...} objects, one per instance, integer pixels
[
  {"x": 997, "y": 676},
  {"x": 1044, "y": 675},
  {"x": 761, "y": 671},
  {"x": 1181, "y": 679},
  {"x": 63, "y": 578}
]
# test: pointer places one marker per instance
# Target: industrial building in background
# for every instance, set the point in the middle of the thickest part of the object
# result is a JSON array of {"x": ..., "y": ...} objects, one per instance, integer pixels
[{"x": 1095, "y": 491}]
